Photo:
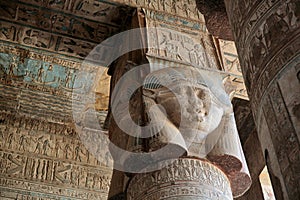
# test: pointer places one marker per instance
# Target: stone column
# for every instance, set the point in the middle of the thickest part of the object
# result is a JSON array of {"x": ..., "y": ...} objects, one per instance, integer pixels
[
  {"x": 267, "y": 36},
  {"x": 188, "y": 146}
]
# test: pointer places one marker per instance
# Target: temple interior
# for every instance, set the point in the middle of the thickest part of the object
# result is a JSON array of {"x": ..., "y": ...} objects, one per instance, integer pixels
[{"x": 149, "y": 100}]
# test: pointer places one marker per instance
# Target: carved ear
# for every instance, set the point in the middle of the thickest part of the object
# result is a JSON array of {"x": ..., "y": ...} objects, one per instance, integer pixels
[{"x": 149, "y": 93}]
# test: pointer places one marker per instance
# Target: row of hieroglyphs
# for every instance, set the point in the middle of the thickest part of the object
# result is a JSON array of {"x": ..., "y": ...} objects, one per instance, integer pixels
[
  {"x": 50, "y": 140},
  {"x": 44, "y": 40},
  {"x": 26, "y": 190},
  {"x": 52, "y": 30},
  {"x": 50, "y": 69},
  {"x": 46, "y": 74},
  {"x": 44, "y": 18},
  {"x": 43, "y": 192},
  {"x": 181, "y": 8},
  {"x": 103, "y": 10},
  {"x": 40, "y": 72},
  {"x": 100, "y": 11},
  {"x": 18, "y": 166},
  {"x": 77, "y": 43}
]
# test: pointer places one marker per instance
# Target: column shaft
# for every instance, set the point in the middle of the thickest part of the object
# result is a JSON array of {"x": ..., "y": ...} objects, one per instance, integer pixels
[{"x": 267, "y": 37}]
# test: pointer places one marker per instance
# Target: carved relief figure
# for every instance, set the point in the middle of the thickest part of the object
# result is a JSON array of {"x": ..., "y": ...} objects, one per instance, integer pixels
[
  {"x": 1, "y": 137},
  {"x": 57, "y": 148},
  {"x": 198, "y": 55},
  {"x": 39, "y": 145},
  {"x": 22, "y": 142},
  {"x": 67, "y": 150},
  {"x": 78, "y": 152},
  {"x": 10, "y": 140},
  {"x": 46, "y": 146}
]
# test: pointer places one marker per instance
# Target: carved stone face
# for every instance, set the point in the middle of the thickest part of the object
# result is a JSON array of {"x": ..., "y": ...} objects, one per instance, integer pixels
[
  {"x": 185, "y": 106},
  {"x": 187, "y": 102}
]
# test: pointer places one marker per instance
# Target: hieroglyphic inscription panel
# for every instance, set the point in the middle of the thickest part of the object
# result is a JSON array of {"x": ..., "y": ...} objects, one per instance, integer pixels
[
  {"x": 72, "y": 28},
  {"x": 234, "y": 82},
  {"x": 32, "y": 81},
  {"x": 48, "y": 160},
  {"x": 179, "y": 41},
  {"x": 41, "y": 155},
  {"x": 184, "y": 9}
]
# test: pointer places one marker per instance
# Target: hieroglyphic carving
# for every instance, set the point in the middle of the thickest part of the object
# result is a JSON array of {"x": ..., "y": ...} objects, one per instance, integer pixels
[
  {"x": 7, "y": 32},
  {"x": 273, "y": 68},
  {"x": 64, "y": 24},
  {"x": 53, "y": 37},
  {"x": 262, "y": 57},
  {"x": 47, "y": 139},
  {"x": 21, "y": 190},
  {"x": 33, "y": 125},
  {"x": 200, "y": 26},
  {"x": 183, "y": 45},
  {"x": 24, "y": 53},
  {"x": 49, "y": 154},
  {"x": 33, "y": 102},
  {"x": 269, "y": 45},
  {"x": 20, "y": 194},
  {"x": 198, "y": 178},
  {"x": 27, "y": 36},
  {"x": 106, "y": 12},
  {"x": 234, "y": 82},
  {"x": 70, "y": 46},
  {"x": 42, "y": 73},
  {"x": 183, "y": 9},
  {"x": 42, "y": 192}
]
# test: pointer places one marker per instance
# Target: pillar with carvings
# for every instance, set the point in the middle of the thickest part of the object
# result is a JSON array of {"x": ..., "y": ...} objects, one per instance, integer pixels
[
  {"x": 183, "y": 143},
  {"x": 267, "y": 36},
  {"x": 194, "y": 147}
]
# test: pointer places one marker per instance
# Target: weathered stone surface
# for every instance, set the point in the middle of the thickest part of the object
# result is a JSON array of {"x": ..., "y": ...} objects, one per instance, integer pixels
[{"x": 216, "y": 19}]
